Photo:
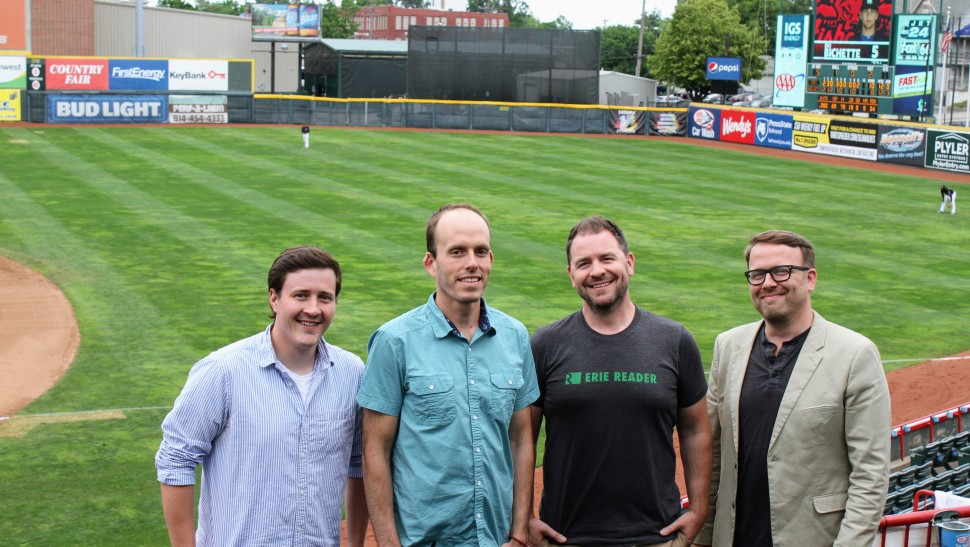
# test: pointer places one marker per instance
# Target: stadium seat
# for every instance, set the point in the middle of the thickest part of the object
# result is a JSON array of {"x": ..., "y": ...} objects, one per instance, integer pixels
[
  {"x": 961, "y": 439},
  {"x": 917, "y": 455},
  {"x": 942, "y": 481},
  {"x": 904, "y": 499},
  {"x": 925, "y": 484},
  {"x": 924, "y": 470},
  {"x": 964, "y": 457},
  {"x": 960, "y": 476},
  {"x": 946, "y": 450},
  {"x": 905, "y": 477},
  {"x": 963, "y": 490},
  {"x": 890, "y": 504}
]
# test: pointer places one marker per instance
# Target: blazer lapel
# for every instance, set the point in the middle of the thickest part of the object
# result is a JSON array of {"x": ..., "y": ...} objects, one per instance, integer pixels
[
  {"x": 738, "y": 366},
  {"x": 808, "y": 360}
]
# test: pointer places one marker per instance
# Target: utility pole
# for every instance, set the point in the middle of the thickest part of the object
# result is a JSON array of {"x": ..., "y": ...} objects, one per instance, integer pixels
[{"x": 643, "y": 17}]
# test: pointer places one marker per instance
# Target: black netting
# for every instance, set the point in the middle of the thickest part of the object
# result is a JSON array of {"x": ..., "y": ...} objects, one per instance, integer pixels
[
  {"x": 329, "y": 73},
  {"x": 506, "y": 65}
]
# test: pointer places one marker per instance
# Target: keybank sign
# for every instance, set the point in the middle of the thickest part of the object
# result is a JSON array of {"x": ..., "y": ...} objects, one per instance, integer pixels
[{"x": 724, "y": 68}]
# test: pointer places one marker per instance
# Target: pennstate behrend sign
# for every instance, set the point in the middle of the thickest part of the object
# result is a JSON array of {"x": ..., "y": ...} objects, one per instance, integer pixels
[{"x": 724, "y": 68}]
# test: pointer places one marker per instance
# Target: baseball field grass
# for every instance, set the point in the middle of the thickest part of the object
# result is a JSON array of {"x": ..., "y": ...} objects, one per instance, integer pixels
[{"x": 161, "y": 238}]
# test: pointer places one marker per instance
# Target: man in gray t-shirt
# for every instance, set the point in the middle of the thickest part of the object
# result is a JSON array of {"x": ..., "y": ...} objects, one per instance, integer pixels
[{"x": 615, "y": 381}]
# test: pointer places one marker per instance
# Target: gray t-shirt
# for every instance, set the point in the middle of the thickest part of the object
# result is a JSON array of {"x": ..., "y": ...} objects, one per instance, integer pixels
[{"x": 610, "y": 403}]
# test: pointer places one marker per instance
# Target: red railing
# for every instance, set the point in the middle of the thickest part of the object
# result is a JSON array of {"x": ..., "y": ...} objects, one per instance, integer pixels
[{"x": 907, "y": 520}]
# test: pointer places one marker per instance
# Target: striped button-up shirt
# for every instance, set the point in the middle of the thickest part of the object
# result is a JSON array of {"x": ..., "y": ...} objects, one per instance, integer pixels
[{"x": 274, "y": 467}]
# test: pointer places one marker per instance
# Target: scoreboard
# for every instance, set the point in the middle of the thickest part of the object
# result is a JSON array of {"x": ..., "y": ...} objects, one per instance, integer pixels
[{"x": 849, "y": 88}]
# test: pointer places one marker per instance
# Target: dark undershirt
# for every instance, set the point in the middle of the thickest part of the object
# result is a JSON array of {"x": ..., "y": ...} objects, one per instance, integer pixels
[{"x": 764, "y": 386}]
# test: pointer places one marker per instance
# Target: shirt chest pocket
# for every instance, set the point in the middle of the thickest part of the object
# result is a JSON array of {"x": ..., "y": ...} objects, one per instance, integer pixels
[
  {"x": 505, "y": 386},
  {"x": 433, "y": 399}
]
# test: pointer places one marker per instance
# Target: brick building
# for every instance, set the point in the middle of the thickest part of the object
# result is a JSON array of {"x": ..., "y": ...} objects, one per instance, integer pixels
[{"x": 391, "y": 22}]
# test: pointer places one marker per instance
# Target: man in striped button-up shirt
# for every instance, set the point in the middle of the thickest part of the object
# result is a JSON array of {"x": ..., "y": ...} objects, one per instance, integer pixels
[{"x": 273, "y": 422}]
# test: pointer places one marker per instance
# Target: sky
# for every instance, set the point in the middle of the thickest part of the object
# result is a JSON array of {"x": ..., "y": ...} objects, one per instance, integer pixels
[{"x": 585, "y": 14}]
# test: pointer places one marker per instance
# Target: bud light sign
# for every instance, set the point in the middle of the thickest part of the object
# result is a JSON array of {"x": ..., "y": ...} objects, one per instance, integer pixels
[{"x": 724, "y": 68}]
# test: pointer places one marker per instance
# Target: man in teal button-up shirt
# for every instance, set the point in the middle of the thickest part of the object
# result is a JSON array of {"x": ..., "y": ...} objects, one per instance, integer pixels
[{"x": 448, "y": 454}]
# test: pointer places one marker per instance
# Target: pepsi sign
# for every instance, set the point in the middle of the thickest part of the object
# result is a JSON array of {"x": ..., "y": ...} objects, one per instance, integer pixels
[{"x": 724, "y": 68}]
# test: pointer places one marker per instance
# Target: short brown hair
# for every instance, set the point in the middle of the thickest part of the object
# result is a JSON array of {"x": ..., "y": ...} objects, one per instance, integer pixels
[
  {"x": 429, "y": 230},
  {"x": 306, "y": 257},
  {"x": 595, "y": 225},
  {"x": 783, "y": 237}
]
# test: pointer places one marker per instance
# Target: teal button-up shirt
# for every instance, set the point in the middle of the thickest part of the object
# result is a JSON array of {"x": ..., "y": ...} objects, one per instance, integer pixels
[{"x": 452, "y": 460}]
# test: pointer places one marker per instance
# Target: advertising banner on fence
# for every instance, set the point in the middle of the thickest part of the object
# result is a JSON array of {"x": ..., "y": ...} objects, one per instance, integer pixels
[
  {"x": 13, "y": 72},
  {"x": 10, "y": 105},
  {"x": 773, "y": 130},
  {"x": 704, "y": 123},
  {"x": 913, "y": 91},
  {"x": 791, "y": 54},
  {"x": 627, "y": 122},
  {"x": 13, "y": 25},
  {"x": 77, "y": 74},
  {"x": 671, "y": 124},
  {"x": 107, "y": 109},
  {"x": 138, "y": 74},
  {"x": 737, "y": 126},
  {"x": 198, "y": 75},
  {"x": 949, "y": 150},
  {"x": 905, "y": 145},
  {"x": 198, "y": 109},
  {"x": 847, "y": 139},
  {"x": 915, "y": 40}
]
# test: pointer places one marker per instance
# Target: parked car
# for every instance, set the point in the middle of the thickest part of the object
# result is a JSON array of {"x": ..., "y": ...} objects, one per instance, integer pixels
[
  {"x": 713, "y": 98},
  {"x": 763, "y": 102}
]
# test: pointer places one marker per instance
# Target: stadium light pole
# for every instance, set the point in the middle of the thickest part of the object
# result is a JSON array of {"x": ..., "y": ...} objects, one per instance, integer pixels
[
  {"x": 139, "y": 28},
  {"x": 643, "y": 16}
]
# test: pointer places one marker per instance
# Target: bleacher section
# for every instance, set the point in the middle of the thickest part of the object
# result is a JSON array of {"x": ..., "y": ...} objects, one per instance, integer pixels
[{"x": 932, "y": 454}]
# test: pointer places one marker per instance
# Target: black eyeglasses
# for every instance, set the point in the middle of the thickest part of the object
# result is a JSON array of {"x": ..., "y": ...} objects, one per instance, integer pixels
[{"x": 778, "y": 273}]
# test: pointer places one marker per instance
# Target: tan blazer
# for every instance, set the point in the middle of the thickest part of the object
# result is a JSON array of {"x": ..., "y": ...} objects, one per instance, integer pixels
[{"x": 828, "y": 457}]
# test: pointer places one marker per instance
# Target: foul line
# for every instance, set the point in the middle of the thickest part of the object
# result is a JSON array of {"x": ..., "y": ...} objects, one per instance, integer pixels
[{"x": 928, "y": 359}]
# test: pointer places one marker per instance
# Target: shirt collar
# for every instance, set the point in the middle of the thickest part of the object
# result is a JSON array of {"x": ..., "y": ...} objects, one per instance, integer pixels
[
  {"x": 267, "y": 353},
  {"x": 442, "y": 325}
]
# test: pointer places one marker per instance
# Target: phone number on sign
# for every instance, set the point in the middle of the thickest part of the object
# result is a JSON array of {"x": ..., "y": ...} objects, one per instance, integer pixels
[{"x": 198, "y": 118}]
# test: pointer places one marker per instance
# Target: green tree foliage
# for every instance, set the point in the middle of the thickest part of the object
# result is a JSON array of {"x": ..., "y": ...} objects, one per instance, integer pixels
[
  {"x": 697, "y": 30},
  {"x": 518, "y": 10},
  {"x": 412, "y": 3},
  {"x": 175, "y": 4},
  {"x": 338, "y": 21},
  {"x": 620, "y": 43},
  {"x": 761, "y": 16}
]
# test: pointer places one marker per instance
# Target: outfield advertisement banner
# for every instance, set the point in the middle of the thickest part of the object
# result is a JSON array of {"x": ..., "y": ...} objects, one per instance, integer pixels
[
  {"x": 13, "y": 72},
  {"x": 905, "y": 145},
  {"x": 791, "y": 47},
  {"x": 948, "y": 150},
  {"x": 773, "y": 130},
  {"x": 10, "y": 105},
  {"x": 274, "y": 21},
  {"x": 846, "y": 139},
  {"x": 913, "y": 91},
  {"x": 79, "y": 74},
  {"x": 627, "y": 122},
  {"x": 138, "y": 74},
  {"x": 198, "y": 109},
  {"x": 198, "y": 75},
  {"x": 107, "y": 109},
  {"x": 704, "y": 123},
  {"x": 671, "y": 124},
  {"x": 737, "y": 126}
]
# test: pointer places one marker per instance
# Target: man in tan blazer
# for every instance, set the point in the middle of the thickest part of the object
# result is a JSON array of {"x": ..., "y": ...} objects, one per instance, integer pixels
[{"x": 800, "y": 414}]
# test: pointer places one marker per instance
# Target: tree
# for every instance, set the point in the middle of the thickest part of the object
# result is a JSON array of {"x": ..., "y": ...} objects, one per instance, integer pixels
[
  {"x": 412, "y": 3},
  {"x": 620, "y": 43},
  {"x": 338, "y": 22},
  {"x": 762, "y": 15},
  {"x": 518, "y": 10},
  {"x": 175, "y": 4},
  {"x": 700, "y": 29}
]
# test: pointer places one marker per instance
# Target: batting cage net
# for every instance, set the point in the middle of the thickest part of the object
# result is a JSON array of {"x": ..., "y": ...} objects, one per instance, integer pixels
[{"x": 503, "y": 64}]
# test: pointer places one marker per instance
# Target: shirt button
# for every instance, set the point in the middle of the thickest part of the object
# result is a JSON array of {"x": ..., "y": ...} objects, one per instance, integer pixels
[
  {"x": 478, "y": 515},
  {"x": 479, "y": 483},
  {"x": 472, "y": 382},
  {"x": 510, "y": 382},
  {"x": 475, "y": 417},
  {"x": 431, "y": 386},
  {"x": 479, "y": 450}
]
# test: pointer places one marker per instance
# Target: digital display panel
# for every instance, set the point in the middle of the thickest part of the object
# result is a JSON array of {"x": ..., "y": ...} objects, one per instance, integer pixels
[{"x": 852, "y": 31}]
